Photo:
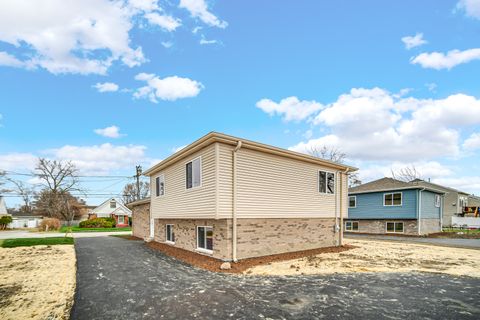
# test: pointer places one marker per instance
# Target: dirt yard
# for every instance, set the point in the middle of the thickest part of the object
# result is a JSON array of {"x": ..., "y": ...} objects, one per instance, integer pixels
[
  {"x": 381, "y": 256},
  {"x": 37, "y": 282}
]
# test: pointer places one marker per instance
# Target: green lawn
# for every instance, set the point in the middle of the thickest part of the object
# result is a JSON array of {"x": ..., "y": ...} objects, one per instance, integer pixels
[
  {"x": 466, "y": 231},
  {"x": 78, "y": 229},
  {"x": 27, "y": 242}
]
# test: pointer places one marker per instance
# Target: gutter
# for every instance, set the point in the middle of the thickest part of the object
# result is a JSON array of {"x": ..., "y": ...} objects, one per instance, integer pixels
[
  {"x": 234, "y": 200},
  {"x": 340, "y": 240},
  {"x": 420, "y": 209}
]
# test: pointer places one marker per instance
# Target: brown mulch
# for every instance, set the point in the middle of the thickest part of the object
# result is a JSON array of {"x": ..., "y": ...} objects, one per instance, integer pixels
[
  {"x": 455, "y": 235},
  {"x": 212, "y": 264}
]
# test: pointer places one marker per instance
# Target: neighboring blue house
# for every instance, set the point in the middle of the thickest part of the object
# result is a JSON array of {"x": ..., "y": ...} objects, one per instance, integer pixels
[{"x": 392, "y": 206}]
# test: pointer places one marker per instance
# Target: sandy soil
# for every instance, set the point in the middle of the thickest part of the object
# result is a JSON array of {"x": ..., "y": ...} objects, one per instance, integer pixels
[
  {"x": 37, "y": 282},
  {"x": 381, "y": 256}
]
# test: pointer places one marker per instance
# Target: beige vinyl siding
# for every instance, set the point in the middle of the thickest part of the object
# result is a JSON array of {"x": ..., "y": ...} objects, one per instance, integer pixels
[
  {"x": 179, "y": 202},
  {"x": 271, "y": 186}
]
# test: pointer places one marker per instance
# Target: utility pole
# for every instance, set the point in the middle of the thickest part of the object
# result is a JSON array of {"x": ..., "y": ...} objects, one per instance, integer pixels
[{"x": 137, "y": 176}]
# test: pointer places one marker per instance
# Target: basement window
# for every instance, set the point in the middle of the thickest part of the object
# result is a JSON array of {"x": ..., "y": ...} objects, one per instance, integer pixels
[
  {"x": 351, "y": 225},
  {"x": 394, "y": 227},
  {"x": 205, "y": 239},
  {"x": 170, "y": 235},
  {"x": 193, "y": 173},
  {"x": 392, "y": 199},
  {"x": 326, "y": 182},
  {"x": 352, "y": 202}
]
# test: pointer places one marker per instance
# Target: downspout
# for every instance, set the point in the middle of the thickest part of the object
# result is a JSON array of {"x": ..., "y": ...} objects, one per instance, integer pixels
[
  {"x": 419, "y": 221},
  {"x": 234, "y": 201},
  {"x": 341, "y": 205},
  {"x": 441, "y": 212}
]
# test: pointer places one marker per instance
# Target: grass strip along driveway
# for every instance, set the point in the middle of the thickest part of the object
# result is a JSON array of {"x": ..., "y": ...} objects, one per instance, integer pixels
[
  {"x": 78, "y": 229},
  {"x": 27, "y": 242}
]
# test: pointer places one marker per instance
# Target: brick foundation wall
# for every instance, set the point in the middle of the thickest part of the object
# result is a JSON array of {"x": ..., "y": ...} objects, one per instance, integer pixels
[
  {"x": 430, "y": 226},
  {"x": 379, "y": 226},
  {"x": 255, "y": 237},
  {"x": 261, "y": 237},
  {"x": 141, "y": 220},
  {"x": 186, "y": 234}
]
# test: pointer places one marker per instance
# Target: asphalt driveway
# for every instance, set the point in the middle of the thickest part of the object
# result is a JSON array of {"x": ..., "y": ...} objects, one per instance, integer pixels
[{"x": 123, "y": 279}]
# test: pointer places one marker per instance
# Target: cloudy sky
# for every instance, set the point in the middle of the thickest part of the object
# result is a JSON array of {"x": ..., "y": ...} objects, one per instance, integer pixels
[{"x": 112, "y": 84}]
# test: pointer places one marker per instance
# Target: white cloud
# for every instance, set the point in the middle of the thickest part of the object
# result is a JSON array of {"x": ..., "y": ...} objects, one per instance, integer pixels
[
  {"x": 472, "y": 142},
  {"x": 11, "y": 61},
  {"x": 291, "y": 108},
  {"x": 204, "y": 41},
  {"x": 413, "y": 41},
  {"x": 169, "y": 88},
  {"x": 432, "y": 87},
  {"x": 109, "y": 132},
  {"x": 469, "y": 184},
  {"x": 167, "y": 44},
  {"x": 106, "y": 87},
  {"x": 101, "y": 159},
  {"x": 168, "y": 23},
  {"x": 372, "y": 124},
  {"x": 199, "y": 9},
  {"x": 17, "y": 161},
  {"x": 144, "y": 5},
  {"x": 63, "y": 36},
  {"x": 439, "y": 60},
  {"x": 471, "y": 8}
]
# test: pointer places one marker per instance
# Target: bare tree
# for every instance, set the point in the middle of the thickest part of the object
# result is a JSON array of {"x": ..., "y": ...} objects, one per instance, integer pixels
[
  {"x": 59, "y": 179},
  {"x": 406, "y": 174},
  {"x": 130, "y": 191},
  {"x": 26, "y": 192},
  {"x": 336, "y": 155}
]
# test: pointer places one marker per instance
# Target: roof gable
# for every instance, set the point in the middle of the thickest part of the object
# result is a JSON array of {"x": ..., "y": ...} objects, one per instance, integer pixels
[
  {"x": 105, "y": 207},
  {"x": 389, "y": 184}
]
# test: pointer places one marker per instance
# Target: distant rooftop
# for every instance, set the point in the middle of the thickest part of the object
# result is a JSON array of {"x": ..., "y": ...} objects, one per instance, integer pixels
[{"x": 386, "y": 184}]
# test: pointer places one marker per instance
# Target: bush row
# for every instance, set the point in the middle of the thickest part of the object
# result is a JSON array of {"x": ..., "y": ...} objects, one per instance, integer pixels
[{"x": 98, "y": 223}]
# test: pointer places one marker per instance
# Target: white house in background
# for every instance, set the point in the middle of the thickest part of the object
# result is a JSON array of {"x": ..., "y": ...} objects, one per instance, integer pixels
[
  {"x": 112, "y": 208},
  {"x": 29, "y": 222}
]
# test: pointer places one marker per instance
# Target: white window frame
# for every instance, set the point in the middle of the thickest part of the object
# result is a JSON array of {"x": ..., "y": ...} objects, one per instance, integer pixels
[
  {"x": 394, "y": 226},
  {"x": 123, "y": 219},
  {"x": 114, "y": 203},
  {"x": 204, "y": 250},
  {"x": 438, "y": 201},
  {"x": 171, "y": 233},
  {"x": 355, "y": 197},
  {"x": 351, "y": 226},
  {"x": 326, "y": 182},
  {"x": 393, "y": 205},
  {"x": 160, "y": 177},
  {"x": 201, "y": 173}
]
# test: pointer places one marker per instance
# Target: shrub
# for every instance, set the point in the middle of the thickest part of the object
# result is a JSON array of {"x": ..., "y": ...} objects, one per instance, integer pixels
[
  {"x": 112, "y": 221},
  {"x": 97, "y": 223},
  {"x": 5, "y": 221},
  {"x": 48, "y": 224}
]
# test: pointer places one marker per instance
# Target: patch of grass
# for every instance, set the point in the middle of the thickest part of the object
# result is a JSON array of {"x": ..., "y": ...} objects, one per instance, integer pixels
[
  {"x": 78, "y": 229},
  {"x": 467, "y": 231},
  {"x": 27, "y": 242}
]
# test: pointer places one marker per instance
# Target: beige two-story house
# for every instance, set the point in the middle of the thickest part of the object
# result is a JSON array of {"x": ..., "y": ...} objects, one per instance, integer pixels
[{"x": 231, "y": 198}]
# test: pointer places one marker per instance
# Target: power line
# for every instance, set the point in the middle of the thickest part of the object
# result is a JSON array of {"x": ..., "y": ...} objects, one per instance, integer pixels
[{"x": 13, "y": 173}]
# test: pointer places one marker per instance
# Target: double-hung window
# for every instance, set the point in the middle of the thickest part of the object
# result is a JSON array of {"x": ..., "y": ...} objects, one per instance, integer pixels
[
  {"x": 205, "y": 238},
  {"x": 351, "y": 225},
  {"x": 160, "y": 185},
  {"x": 392, "y": 199},
  {"x": 194, "y": 173},
  {"x": 352, "y": 202},
  {"x": 170, "y": 235},
  {"x": 121, "y": 220},
  {"x": 326, "y": 182},
  {"x": 394, "y": 227},
  {"x": 437, "y": 201}
]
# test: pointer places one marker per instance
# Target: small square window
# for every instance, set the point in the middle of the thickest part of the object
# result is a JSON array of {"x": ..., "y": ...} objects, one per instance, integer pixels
[
  {"x": 205, "y": 238},
  {"x": 351, "y": 226},
  {"x": 394, "y": 227},
  {"x": 352, "y": 202}
]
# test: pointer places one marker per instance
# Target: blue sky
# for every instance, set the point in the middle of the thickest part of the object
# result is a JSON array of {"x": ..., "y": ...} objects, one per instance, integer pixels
[{"x": 109, "y": 84}]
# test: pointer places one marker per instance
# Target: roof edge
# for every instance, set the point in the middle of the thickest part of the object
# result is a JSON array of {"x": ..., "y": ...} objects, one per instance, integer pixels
[
  {"x": 397, "y": 189},
  {"x": 138, "y": 202},
  {"x": 227, "y": 139}
]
